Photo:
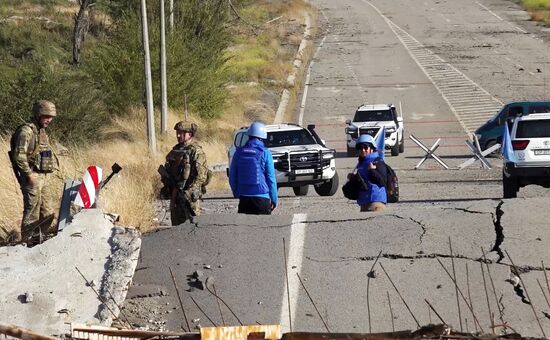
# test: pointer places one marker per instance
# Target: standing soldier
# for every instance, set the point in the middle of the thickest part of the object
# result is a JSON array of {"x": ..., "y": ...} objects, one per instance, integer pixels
[
  {"x": 252, "y": 174},
  {"x": 186, "y": 172},
  {"x": 33, "y": 162}
]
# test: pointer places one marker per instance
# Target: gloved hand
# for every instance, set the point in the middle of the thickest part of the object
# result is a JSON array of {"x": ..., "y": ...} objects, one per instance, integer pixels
[
  {"x": 192, "y": 195},
  {"x": 187, "y": 195}
]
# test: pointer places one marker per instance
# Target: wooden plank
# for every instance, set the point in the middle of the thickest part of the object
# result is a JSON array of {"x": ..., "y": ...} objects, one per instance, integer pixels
[{"x": 271, "y": 332}]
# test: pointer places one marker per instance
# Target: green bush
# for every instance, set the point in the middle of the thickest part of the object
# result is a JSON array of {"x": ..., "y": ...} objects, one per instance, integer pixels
[
  {"x": 79, "y": 105},
  {"x": 536, "y": 4},
  {"x": 35, "y": 64}
]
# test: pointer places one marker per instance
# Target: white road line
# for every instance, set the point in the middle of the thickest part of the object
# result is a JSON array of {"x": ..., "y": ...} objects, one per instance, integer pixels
[
  {"x": 453, "y": 85},
  {"x": 294, "y": 262},
  {"x": 499, "y": 18},
  {"x": 306, "y": 87}
]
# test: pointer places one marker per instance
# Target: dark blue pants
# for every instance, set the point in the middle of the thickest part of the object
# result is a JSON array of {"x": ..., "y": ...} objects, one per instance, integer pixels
[{"x": 254, "y": 205}]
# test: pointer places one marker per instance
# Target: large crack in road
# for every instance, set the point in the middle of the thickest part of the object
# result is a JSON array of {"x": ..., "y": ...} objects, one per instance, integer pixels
[{"x": 499, "y": 231}]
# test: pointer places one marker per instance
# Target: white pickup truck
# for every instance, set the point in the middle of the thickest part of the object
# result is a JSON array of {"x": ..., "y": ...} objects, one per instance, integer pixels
[
  {"x": 300, "y": 157},
  {"x": 369, "y": 119}
]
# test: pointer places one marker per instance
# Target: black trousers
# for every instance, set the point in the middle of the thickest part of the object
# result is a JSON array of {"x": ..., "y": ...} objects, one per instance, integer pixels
[{"x": 254, "y": 205}]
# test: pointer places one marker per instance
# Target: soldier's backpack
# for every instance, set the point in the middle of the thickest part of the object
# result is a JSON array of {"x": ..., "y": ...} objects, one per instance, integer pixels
[{"x": 392, "y": 185}]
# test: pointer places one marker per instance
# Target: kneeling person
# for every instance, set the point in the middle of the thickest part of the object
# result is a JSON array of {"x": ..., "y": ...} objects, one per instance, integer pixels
[{"x": 372, "y": 169}]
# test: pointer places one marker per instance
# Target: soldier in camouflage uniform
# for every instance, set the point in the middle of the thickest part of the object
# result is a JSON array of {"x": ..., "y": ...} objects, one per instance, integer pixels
[
  {"x": 33, "y": 161},
  {"x": 187, "y": 167}
]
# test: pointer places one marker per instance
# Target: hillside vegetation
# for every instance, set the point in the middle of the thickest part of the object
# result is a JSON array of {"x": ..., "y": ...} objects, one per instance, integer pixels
[
  {"x": 538, "y": 9},
  {"x": 228, "y": 63}
]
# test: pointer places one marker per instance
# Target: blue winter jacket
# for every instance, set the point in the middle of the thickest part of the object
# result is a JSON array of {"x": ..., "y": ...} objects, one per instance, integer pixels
[
  {"x": 252, "y": 172},
  {"x": 375, "y": 180}
]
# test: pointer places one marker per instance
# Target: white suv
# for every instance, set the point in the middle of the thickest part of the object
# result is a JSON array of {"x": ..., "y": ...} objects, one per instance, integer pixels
[
  {"x": 300, "y": 158},
  {"x": 530, "y": 136},
  {"x": 369, "y": 119}
]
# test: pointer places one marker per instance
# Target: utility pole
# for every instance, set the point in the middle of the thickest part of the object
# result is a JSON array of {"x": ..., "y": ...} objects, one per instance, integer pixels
[
  {"x": 163, "y": 94},
  {"x": 171, "y": 16},
  {"x": 148, "y": 84}
]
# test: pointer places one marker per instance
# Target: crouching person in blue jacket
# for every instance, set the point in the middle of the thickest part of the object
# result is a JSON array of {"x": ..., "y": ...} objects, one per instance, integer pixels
[
  {"x": 252, "y": 174},
  {"x": 372, "y": 169}
]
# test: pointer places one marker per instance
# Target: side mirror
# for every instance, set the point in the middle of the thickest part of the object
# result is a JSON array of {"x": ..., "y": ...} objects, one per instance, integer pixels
[
  {"x": 323, "y": 142},
  {"x": 400, "y": 119},
  {"x": 348, "y": 121},
  {"x": 311, "y": 127}
]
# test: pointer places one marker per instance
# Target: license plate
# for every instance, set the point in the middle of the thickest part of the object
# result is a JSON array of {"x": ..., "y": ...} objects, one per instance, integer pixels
[
  {"x": 542, "y": 152},
  {"x": 304, "y": 171}
]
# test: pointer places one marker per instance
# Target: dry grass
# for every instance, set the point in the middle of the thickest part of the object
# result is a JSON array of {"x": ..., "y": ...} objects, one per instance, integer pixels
[
  {"x": 129, "y": 194},
  {"x": 11, "y": 203},
  {"x": 539, "y": 10}
]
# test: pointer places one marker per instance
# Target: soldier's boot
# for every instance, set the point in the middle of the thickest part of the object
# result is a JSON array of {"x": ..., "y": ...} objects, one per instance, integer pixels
[{"x": 36, "y": 232}]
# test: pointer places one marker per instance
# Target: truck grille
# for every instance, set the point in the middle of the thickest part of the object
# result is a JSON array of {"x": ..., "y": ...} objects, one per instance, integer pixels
[
  {"x": 301, "y": 160},
  {"x": 369, "y": 131}
]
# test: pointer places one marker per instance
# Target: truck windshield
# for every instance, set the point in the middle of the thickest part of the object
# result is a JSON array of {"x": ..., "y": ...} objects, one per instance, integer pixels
[
  {"x": 287, "y": 138},
  {"x": 372, "y": 116}
]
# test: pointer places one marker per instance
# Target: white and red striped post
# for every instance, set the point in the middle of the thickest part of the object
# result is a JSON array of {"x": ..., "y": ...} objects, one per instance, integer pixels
[{"x": 88, "y": 190}]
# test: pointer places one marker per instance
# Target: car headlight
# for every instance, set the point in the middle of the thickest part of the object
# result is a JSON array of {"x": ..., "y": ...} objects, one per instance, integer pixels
[
  {"x": 277, "y": 158},
  {"x": 390, "y": 130},
  {"x": 328, "y": 155},
  {"x": 350, "y": 130}
]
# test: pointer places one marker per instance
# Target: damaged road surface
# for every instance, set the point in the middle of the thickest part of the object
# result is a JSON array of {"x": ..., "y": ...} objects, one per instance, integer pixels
[
  {"x": 81, "y": 275},
  {"x": 243, "y": 262},
  {"x": 448, "y": 66}
]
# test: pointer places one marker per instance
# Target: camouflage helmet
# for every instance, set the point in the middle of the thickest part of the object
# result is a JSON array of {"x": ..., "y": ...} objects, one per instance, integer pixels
[
  {"x": 43, "y": 108},
  {"x": 186, "y": 127}
]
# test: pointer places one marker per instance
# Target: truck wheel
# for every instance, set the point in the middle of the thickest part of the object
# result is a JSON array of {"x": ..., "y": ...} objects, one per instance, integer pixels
[
  {"x": 509, "y": 187},
  {"x": 301, "y": 190},
  {"x": 402, "y": 145},
  {"x": 351, "y": 152},
  {"x": 328, "y": 188},
  {"x": 395, "y": 150}
]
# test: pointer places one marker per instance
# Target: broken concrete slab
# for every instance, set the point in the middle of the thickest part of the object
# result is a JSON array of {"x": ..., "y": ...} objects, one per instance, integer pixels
[{"x": 91, "y": 245}]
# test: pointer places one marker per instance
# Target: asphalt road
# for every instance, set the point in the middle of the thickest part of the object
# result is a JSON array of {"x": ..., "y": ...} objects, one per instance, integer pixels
[{"x": 448, "y": 65}]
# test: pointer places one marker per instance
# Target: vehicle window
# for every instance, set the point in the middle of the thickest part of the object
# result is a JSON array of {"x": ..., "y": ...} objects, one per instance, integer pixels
[
  {"x": 372, "y": 116},
  {"x": 240, "y": 139},
  {"x": 287, "y": 138},
  {"x": 533, "y": 129},
  {"x": 539, "y": 108},
  {"x": 515, "y": 111}
]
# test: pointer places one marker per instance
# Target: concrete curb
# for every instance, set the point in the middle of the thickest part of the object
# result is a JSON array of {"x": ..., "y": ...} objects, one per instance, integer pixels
[{"x": 291, "y": 79}]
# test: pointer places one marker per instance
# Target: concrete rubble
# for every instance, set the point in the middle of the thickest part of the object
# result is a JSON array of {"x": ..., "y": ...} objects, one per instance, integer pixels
[{"x": 50, "y": 285}]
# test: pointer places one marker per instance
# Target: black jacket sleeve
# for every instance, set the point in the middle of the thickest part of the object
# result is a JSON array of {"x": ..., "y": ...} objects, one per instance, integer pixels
[{"x": 378, "y": 176}]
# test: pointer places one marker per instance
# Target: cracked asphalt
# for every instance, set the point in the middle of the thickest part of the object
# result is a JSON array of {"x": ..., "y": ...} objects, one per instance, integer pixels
[{"x": 330, "y": 244}]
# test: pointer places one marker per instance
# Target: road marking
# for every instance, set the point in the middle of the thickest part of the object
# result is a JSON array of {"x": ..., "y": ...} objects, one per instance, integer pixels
[
  {"x": 306, "y": 87},
  {"x": 447, "y": 79},
  {"x": 294, "y": 263},
  {"x": 499, "y": 18}
]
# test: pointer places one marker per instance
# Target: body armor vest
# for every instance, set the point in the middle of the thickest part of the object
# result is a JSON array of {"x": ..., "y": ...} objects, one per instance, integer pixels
[
  {"x": 251, "y": 179},
  {"x": 374, "y": 192},
  {"x": 39, "y": 152},
  {"x": 179, "y": 164}
]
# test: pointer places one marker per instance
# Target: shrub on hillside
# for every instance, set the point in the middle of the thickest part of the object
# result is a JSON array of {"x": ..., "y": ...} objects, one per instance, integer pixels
[{"x": 35, "y": 64}]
